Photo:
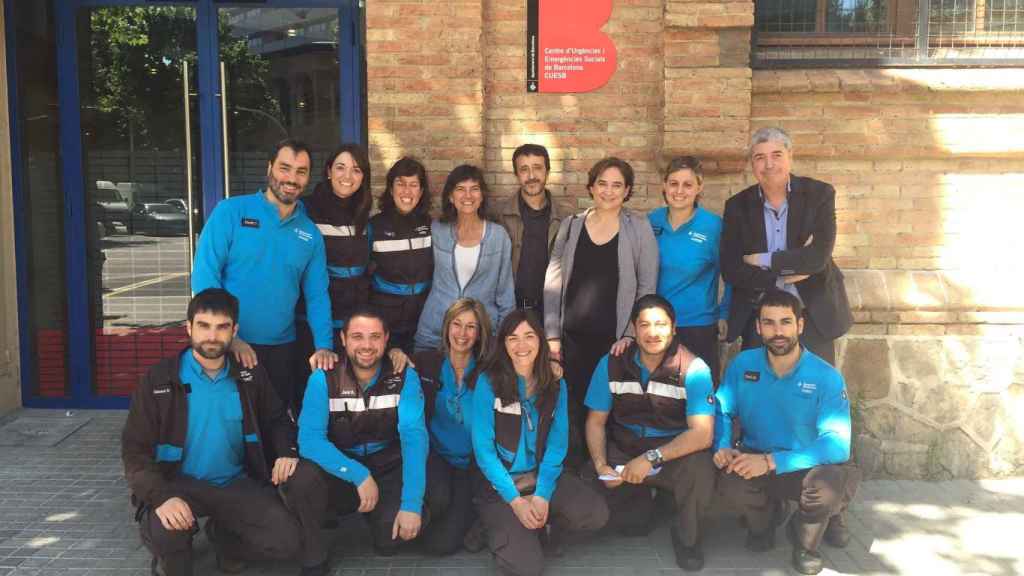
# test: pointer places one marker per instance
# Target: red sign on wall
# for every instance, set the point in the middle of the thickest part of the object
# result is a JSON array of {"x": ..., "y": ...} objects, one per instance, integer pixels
[{"x": 566, "y": 51}]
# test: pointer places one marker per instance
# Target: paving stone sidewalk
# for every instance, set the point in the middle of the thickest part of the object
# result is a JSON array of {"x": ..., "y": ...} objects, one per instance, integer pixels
[{"x": 64, "y": 510}]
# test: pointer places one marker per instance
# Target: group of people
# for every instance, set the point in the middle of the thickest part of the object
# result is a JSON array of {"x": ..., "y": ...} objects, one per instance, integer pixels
[{"x": 463, "y": 382}]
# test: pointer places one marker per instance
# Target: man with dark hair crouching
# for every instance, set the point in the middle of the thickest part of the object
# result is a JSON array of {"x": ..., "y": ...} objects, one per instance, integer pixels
[
  {"x": 207, "y": 437},
  {"x": 364, "y": 447},
  {"x": 659, "y": 399},
  {"x": 792, "y": 441}
]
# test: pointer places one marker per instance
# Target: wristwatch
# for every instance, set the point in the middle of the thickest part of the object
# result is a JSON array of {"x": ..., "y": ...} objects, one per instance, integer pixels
[{"x": 654, "y": 457}]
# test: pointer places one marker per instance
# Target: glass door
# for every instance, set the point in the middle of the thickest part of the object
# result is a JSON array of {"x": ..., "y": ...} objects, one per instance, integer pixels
[
  {"x": 141, "y": 174},
  {"x": 165, "y": 109}
]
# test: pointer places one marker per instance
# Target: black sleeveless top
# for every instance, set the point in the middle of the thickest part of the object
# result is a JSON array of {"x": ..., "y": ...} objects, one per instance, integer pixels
[{"x": 593, "y": 288}]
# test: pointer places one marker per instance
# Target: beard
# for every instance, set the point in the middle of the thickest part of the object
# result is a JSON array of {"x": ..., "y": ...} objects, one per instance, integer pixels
[
  {"x": 358, "y": 362},
  {"x": 276, "y": 188},
  {"x": 780, "y": 345},
  {"x": 211, "y": 350}
]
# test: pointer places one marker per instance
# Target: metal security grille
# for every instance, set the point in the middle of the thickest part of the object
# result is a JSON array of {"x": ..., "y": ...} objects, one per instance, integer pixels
[{"x": 806, "y": 33}]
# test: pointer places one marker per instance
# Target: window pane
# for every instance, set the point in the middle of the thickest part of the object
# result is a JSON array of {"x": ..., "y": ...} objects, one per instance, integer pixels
[
  {"x": 1004, "y": 16},
  {"x": 857, "y": 16},
  {"x": 786, "y": 15},
  {"x": 949, "y": 17}
]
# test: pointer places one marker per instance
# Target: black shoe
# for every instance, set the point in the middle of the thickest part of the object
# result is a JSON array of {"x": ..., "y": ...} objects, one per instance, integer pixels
[
  {"x": 689, "y": 558},
  {"x": 321, "y": 569},
  {"x": 225, "y": 562},
  {"x": 804, "y": 561},
  {"x": 760, "y": 542},
  {"x": 475, "y": 539},
  {"x": 837, "y": 535}
]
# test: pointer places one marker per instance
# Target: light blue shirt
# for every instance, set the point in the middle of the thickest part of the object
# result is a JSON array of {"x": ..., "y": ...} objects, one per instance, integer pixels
[
  {"x": 214, "y": 443},
  {"x": 776, "y": 222}
]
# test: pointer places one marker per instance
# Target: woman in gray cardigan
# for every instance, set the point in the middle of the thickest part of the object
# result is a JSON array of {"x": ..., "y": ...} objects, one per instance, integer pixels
[{"x": 602, "y": 261}]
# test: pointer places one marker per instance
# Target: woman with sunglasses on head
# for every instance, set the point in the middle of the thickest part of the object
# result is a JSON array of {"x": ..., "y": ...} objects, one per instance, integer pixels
[
  {"x": 448, "y": 376},
  {"x": 520, "y": 439},
  {"x": 402, "y": 258},
  {"x": 688, "y": 269}
]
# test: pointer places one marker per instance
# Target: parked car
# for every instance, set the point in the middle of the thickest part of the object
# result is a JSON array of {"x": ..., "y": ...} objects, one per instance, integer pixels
[
  {"x": 177, "y": 203},
  {"x": 110, "y": 206},
  {"x": 157, "y": 219}
]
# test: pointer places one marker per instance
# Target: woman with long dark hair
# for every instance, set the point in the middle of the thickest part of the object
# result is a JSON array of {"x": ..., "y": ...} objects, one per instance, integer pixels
[
  {"x": 340, "y": 208},
  {"x": 520, "y": 439},
  {"x": 472, "y": 256},
  {"x": 402, "y": 258},
  {"x": 448, "y": 376}
]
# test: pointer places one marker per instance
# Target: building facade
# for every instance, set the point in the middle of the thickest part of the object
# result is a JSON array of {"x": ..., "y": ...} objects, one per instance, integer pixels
[{"x": 912, "y": 109}]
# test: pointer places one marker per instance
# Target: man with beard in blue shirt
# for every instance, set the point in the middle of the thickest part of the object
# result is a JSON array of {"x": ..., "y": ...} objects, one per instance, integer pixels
[
  {"x": 265, "y": 250},
  {"x": 792, "y": 441}
]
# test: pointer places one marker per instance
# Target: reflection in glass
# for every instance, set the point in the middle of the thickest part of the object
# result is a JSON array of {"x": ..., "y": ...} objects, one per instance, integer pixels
[
  {"x": 134, "y": 133},
  {"x": 282, "y": 81}
]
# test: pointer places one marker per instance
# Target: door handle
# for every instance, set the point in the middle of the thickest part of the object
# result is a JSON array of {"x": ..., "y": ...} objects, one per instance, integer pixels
[
  {"x": 188, "y": 167},
  {"x": 224, "y": 128}
]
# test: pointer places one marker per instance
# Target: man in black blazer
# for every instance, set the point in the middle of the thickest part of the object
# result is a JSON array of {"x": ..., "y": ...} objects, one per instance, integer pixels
[{"x": 780, "y": 233}]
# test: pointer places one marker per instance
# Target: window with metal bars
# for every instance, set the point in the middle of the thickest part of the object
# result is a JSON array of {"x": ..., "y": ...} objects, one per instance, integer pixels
[{"x": 888, "y": 32}]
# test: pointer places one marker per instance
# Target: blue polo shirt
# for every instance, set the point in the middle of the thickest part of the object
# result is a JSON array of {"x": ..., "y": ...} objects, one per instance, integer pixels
[
  {"x": 248, "y": 250},
  {"x": 688, "y": 267},
  {"x": 315, "y": 445},
  {"x": 802, "y": 419},
  {"x": 698, "y": 389},
  {"x": 450, "y": 424},
  {"x": 491, "y": 458},
  {"x": 214, "y": 443}
]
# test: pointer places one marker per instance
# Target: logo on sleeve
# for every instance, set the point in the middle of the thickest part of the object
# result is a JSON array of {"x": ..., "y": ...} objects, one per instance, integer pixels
[
  {"x": 844, "y": 394},
  {"x": 752, "y": 376},
  {"x": 250, "y": 223}
]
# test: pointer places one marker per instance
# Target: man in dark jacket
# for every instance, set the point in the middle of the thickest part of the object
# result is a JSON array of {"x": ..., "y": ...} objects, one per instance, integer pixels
[
  {"x": 206, "y": 437},
  {"x": 780, "y": 233}
]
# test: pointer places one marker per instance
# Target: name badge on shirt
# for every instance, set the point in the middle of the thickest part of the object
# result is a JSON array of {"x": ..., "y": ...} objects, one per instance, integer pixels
[
  {"x": 752, "y": 376},
  {"x": 250, "y": 223},
  {"x": 657, "y": 230},
  {"x": 348, "y": 393}
]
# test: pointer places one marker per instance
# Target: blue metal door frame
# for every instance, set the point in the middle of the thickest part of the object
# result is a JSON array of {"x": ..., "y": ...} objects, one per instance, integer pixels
[{"x": 79, "y": 335}]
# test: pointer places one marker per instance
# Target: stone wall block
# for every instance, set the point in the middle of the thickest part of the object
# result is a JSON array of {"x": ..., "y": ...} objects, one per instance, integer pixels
[
  {"x": 887, "y": 423},
  {"x": 956, "y": 455},
  {"x": 927, "y": 383},
  {"x": 866, "y": 365}
]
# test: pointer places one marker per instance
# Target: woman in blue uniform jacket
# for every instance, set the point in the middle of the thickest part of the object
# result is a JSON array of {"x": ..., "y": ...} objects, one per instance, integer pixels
[
  {"x": 340, "y": 208},
  {"x": 402, "y": 258},
  {"x": 447, "y": 376},
  {"x": 520, "y": 438},
  {"x": 688, "y": 269}
]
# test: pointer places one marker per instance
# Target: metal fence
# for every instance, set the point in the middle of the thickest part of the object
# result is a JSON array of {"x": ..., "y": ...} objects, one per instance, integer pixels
[{"x": 807, "y": 33}]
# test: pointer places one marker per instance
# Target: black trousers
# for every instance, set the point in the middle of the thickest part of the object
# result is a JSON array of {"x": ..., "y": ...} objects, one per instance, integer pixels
[
  {"x": 252, "y": 524},
  {"x": 812, "y": 339},
  {"x": 574, "y": 507},
  {"x": 703, "y": 342},
  {"x": 315, "y": 496},
  {"x": 690, "y": 480},
  {"x": 820, "y": 492},
  {"x": 447, "y": 528},
  {"x": 581, "y": 353},
  {"x": 279, "y": 362}
]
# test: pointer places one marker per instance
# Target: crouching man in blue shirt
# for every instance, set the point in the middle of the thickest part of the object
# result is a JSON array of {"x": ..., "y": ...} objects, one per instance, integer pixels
[
  {"x": 659, "y": 397},
  {"x": 200, "y": 438},
  {"x": 792, "y": 441},
  {"x": 364, "y": 446}
]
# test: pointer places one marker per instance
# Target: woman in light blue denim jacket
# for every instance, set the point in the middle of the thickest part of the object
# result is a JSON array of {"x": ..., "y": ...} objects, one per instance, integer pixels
[{"x": 472, "y": 256}]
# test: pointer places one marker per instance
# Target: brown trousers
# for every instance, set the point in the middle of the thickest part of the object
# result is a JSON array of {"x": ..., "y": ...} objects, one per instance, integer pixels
[
  {"x": 574, "y": 507},
  {"x": 820, "y": 492},
  {"x": 690, "y": 480},
  {"x": 252, "y": 524}
]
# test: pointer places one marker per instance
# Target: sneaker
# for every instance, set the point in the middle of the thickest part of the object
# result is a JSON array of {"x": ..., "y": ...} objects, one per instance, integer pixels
[
  {"x": 804, "y": 561},
  {"x": 225, "y": 563},
  {"x": 689, "y": 558},
  {"x": 837, "y": 535}
]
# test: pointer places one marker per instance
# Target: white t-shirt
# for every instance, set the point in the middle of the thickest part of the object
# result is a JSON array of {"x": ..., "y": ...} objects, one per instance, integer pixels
[{"x": 466, "y": 259}]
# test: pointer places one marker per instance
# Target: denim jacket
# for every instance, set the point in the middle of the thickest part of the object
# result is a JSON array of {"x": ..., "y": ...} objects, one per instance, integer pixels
[{"x": 491, "y": 282}]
